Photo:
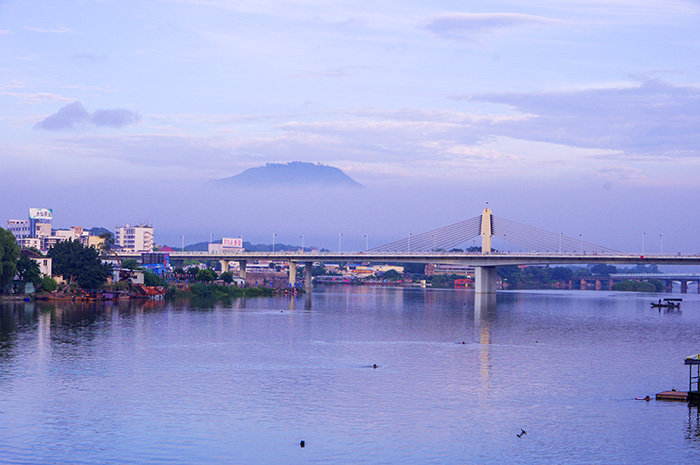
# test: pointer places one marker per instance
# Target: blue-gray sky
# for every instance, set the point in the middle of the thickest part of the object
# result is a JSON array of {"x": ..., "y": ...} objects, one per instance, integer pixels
[{"x": 579, "y": 116}]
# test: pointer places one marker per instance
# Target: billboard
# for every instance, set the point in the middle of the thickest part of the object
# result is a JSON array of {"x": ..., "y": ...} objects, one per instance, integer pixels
[
  {"x": 232, "y": 242},
  {"x": 40, "y": 213}
]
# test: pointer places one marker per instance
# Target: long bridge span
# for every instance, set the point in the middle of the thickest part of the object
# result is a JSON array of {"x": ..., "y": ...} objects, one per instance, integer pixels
[{"x": 545, "y": 248}]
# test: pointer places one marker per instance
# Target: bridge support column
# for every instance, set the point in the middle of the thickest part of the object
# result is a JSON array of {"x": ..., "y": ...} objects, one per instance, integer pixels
[
  {"x": 684, "y": 287},
  {"x": 292, "y": 273},
  {"x": 485, "y": 279},
  {"x": 308, "y": 276},
  {"x": 669, "y": 286},
  {"x": 224, "y": 265},
  {"x": 698, "y": 283},
  {"x": 241, "y": 266}
]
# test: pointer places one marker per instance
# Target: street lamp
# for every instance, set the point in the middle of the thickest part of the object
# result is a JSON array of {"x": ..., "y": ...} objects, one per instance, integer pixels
[
  {"x": 661, "y": 243},
  {"x": 340, "y": 237},
  {"x": 366, "y": 243},
  {"x": 409, "y": 242},
  {"x": 561, "y": 235},
  {"x": 182, "y": 239},
  {"x": 274, "y": 235},
  {"x": 644, "y": 237},
  {"x": 580, "y": 241},
  {"x": 302, "y": 242}
]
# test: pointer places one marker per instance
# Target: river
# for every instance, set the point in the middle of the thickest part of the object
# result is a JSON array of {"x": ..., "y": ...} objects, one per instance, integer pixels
[{"x": 244, "y": 382}]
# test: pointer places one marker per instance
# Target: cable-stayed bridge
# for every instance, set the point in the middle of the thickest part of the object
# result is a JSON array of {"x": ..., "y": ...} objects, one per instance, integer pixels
[{"x": 438, "y": 246}]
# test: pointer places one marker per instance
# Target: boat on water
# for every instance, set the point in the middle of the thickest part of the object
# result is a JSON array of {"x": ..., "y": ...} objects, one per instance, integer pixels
[{"x": 667, "y": 303}]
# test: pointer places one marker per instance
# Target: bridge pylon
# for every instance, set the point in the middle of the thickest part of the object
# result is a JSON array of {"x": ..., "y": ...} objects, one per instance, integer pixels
[
  {"x": 485, "y": 276},
  {"x": 486, "y": 230}
]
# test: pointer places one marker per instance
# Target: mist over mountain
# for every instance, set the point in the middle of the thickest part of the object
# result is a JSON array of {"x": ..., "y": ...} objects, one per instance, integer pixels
[{"x": 295, "y": 173}]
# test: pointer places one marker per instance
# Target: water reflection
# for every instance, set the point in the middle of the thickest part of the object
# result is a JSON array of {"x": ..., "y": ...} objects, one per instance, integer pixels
[
  {"x": 484, "y": 308},
  {"x": 693, "y": 425},
  {"x": 248, "y": 379}
]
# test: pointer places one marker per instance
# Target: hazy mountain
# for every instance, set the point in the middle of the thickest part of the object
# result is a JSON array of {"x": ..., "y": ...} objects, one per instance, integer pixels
[{"x": 295, "y": 173}]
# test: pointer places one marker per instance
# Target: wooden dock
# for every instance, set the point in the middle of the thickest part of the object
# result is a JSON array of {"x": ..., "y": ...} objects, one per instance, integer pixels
[{"x": 673, "y": 395}]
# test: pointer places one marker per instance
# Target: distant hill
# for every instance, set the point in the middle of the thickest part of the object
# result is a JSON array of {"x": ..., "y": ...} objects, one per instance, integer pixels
[
  {"x": 295, "y": 173},
  {"x": 97, "y": 230}
]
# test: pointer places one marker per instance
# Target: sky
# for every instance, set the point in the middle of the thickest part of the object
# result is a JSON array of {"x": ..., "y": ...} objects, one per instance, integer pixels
[{"x": 578, "y": 117}]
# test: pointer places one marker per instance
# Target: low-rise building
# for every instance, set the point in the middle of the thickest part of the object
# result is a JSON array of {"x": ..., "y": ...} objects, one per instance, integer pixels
[{"x": 45, "y": 263}]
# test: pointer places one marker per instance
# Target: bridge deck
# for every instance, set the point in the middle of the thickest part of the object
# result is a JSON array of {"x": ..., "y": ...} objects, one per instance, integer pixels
[{"x": 474, "y": 259}]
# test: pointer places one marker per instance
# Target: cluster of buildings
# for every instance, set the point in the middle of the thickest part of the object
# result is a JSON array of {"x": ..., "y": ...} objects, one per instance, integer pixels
[{"x": 37, "y": 232}]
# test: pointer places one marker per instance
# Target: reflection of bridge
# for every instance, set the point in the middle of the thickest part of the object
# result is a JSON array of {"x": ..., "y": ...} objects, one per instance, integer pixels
[{"x": 437, "y": 246}]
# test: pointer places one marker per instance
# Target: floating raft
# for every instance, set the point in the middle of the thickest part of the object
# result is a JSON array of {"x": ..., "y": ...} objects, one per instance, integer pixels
[{"x": 673, "y": 395}]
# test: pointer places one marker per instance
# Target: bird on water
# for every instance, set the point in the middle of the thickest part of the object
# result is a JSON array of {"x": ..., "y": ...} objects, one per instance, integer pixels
[
  {"x": 302, "y": 444},
  {"x": 522, "y": 433}
]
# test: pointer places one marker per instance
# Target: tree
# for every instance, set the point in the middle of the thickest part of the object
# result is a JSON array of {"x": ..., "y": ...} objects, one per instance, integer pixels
[
  {"x": 73, "y": 260},
  {"x": 28, "y": 270},
  {"x": 109, "y": 240},
  {"x": 601, "y": 269},
  {"x": 48, "y": 284},
  {"x": 152, "y": 279},
  {"x": 391, "y": 275},
  {"x": 130, "y": 263},
  {"x": 227, "y": 277},
  {"x": 206, "y": 275},
  {"x": 9, "y": 252}
]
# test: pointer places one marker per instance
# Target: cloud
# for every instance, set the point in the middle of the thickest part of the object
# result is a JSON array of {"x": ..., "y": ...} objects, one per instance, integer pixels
[
  {"x": 651, "y": 119},
  {"x": 466, "y": 26},
  {"x": 51, "y": 30},
  {"x": 75, "y": 115}
]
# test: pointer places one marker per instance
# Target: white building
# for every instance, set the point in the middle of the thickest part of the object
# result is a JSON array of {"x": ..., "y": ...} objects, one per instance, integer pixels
[
  {"x": 137, "y": 238},
  {"x": 20, "y": 228}
]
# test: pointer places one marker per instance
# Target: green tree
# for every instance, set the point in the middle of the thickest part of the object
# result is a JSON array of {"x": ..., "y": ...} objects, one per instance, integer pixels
[
  {"x": 227, "y": 277},
  {"x": 130, "y": 263},
  {"x": 73, "y": 260},
  {"x": 152, "y": 279},
  {"x": 9, "y": 252},
  {"x": 109, "y": 240},
  {"x": 28, "y": 270},
  {"x": 48, "y": 284},
  {"x": 601, "y": 269},
  {"x": 207, "y": 275},
  {"x": 391, "y": 275}
]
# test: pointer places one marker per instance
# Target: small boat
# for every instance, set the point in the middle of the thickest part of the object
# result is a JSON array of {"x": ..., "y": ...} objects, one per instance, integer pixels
[{"x": 667, "y": 303}]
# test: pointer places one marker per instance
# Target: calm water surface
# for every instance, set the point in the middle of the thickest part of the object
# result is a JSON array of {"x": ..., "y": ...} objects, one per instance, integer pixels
[{"x": 244, "y": 382}]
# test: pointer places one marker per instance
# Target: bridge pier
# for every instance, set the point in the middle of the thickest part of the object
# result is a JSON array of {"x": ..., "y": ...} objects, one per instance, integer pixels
[
  {"x": 669, "y": 286},
  {"x": 241, "y": 266},
  {"x": 292, "y": 273},
  {"x": 684, "y": 286},
  {"x": 485, "y": 279},
  {"x": 224, "y": 265},
  {"x": 308, "y": 275}
]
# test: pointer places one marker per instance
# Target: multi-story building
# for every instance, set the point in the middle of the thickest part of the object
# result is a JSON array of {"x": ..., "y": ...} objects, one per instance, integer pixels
[
  {"x": 137, "y": 238},
  {"x": 20, "y": 228}
]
